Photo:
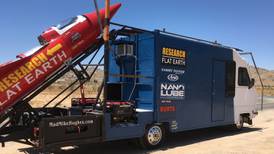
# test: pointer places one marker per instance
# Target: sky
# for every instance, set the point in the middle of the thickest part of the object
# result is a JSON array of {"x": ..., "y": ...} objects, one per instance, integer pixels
[{"x": 245, "y": 24}]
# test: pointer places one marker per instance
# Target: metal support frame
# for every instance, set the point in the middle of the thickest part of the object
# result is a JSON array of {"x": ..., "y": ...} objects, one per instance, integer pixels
[
  {"x": 81, "y": 74},
  {"x": 21, "y": 132},
  {"x": 257, "y": 71},
  {"x": 74, "y": 82},
  {"x": 8, "y": 124},
  {"x": 113, "y": 36},
  {"x": 81, "y": 83}
]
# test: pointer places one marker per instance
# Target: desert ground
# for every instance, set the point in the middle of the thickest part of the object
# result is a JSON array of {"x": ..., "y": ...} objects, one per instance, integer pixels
[{"x": 256, "y": 139}]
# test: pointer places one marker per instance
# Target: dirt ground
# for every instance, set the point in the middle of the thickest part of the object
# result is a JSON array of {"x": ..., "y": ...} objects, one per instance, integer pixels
[{"x": 257, "y": 139}]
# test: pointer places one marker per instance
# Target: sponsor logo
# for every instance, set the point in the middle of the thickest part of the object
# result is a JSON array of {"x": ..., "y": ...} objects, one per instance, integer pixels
[
  {"x": 171, "y": 56},
  {"x": 166, "y": 101},
  {"x": 70, "y": 123},
  {"x": 167, "y": 108},
  {"x": 172, "y": 91},
  {"x": 173, "y": 61},
  {"x": 173, "y": 77},
  {"x": 174, "y": 71},
  {"x": 170, "y": 52}
]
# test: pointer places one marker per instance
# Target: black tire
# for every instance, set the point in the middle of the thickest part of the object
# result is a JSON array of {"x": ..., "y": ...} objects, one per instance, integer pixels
[{"x": 153, "y": 138}]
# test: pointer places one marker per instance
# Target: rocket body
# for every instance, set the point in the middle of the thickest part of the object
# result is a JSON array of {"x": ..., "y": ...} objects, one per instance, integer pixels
[{"x": 60, "y": 44}]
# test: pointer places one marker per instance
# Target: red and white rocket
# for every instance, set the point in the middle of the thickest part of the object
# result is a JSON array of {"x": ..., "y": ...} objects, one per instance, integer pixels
[{"x": 59, "y": 44}]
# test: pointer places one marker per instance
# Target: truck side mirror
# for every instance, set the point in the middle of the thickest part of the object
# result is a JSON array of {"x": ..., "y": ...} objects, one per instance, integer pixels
[{"x": 251, "y": 83}]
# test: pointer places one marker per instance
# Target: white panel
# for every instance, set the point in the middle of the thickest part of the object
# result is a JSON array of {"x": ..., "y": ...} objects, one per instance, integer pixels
[{"x": 245, "y": 99}]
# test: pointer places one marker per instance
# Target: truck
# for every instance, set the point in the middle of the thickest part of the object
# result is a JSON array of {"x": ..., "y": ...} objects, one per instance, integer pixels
[{"x": 155, "y": 83}]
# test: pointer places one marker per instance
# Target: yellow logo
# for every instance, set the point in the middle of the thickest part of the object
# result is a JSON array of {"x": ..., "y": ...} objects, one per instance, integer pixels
[{"x": 170, "y": 52}]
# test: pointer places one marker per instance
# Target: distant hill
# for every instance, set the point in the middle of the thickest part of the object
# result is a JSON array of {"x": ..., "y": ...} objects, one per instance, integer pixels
[{"x": 267, "y": 78}]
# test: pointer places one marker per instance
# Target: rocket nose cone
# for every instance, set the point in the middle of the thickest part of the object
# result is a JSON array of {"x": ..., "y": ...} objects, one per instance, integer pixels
[
  {"x": 114, "y": 8},
  {"x": 93, "y": 16}
]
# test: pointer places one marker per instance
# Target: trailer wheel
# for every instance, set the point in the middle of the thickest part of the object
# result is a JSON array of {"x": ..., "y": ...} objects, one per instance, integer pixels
[
  {"x": 153, "y": 138},
  {"x": 239, "y": 125}
]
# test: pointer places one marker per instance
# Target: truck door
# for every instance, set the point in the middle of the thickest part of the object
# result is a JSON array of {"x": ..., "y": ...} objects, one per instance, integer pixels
[{"x": 218, "y": 91}]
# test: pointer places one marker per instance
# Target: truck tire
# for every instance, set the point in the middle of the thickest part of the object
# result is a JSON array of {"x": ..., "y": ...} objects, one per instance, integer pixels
[
  {"x": 240, "y": 124},
  {"x": 153, "y": 137}
]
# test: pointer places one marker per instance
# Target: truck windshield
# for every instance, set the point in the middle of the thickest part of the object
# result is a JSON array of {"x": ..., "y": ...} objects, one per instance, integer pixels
[{"x": 66, "y": 23}]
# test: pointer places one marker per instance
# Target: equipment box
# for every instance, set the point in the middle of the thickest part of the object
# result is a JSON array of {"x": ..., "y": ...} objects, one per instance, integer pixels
[{"x": 64, "y": 131}]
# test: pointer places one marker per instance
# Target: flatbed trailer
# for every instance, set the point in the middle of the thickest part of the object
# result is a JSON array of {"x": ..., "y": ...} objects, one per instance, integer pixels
[{"x": 158, "y": 82}]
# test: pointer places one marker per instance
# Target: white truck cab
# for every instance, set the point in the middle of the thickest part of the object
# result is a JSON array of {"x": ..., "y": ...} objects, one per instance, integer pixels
[{"x": 245, "y": 100}]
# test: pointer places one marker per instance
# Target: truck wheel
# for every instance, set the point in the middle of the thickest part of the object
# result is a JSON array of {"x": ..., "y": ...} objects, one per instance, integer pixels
[
  {"x": 153, "y": 138},
  {"x": 240, "y": 124}
]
